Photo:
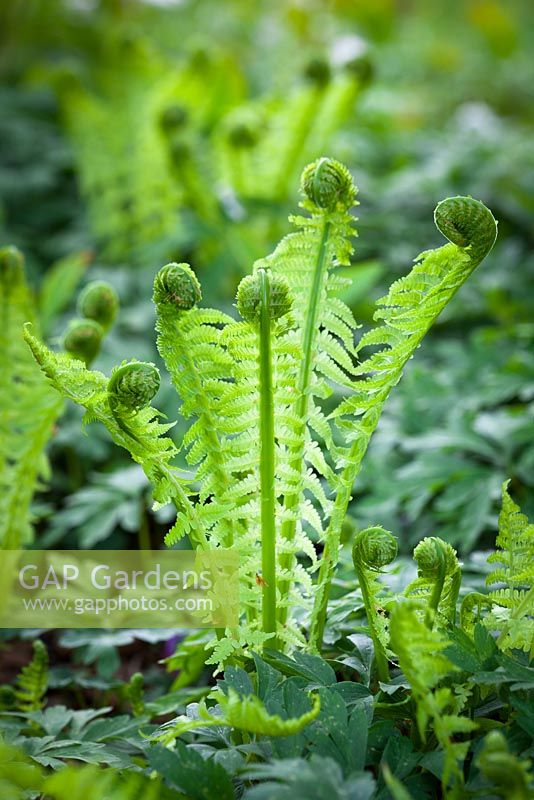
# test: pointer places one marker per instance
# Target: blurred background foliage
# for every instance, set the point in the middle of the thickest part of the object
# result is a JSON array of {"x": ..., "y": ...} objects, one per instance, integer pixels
[{"x": 133, "y": 133}]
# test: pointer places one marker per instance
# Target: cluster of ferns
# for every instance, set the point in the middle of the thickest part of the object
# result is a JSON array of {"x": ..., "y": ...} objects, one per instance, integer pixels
[{"x": 274, "y": 452}]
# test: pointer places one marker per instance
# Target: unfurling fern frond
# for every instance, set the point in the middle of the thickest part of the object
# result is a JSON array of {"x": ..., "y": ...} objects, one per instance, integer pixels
[
  {"x": 122, "y": 405},
  {"x": 135, "y": 694},
  {"x": 266, "y": 145},
  {"x": 373, "y": 549},
  {"x": 323, "y": 334},
  {"x": 420, "y": 654},
  {"x": 438, "y": 581},
  {"x": 29, "y": 406},
  {"x": 242, "y": 713},
  {"x": 406, "y": 313},
  {"x": 513, "y": 604},
  {"x": 32, "y": 682},
  {"x": 200, "y": 368}
]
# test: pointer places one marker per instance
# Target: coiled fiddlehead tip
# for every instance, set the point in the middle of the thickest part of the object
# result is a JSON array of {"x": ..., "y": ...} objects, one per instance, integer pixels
[
  {"x": 11, "y": 262},
  {"x": 173, "y": 117},
  {"x": 243, "y": 129},
  {"x": 318, "y": 71},
  {"x": 177, "y": 285},
  {"x": 132, "y": 385},
  {"x": 374, "y": 548},
  {"x": 328, "y": 185},
  {"x": 82, "y": 339},
  {"x": 362, "y": 68},
  {"x": 467, "y": 222},
  {"x": 99, "y": 301},
  {"x": 249, "y": 295},
  {"x": 433, "y": 554}
]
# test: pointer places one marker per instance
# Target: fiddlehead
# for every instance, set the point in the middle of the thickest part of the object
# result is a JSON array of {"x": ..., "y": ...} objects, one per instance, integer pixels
[
  {"x": 373, "y": 549},
  {"x": 406, "y": 314},
  {"x": 252, "y": 303},
  {"x": 131, "y": 387},
  {"x": 439, "y": 579},
  {"x": 262, "y": 299},
  {"x": 99, "y": 301},
  {"x": 177, "y": 286},
  {"x": 144, "y": 437},
  {"x": 328, "y": 185},
  {"x": 467, "y": 223},
  {"x": 82, "y": 339}
]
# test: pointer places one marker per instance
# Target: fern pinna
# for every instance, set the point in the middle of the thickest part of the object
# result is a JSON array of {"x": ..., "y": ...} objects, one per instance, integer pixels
[
  {"x": 274, "y": 473},
  {"x": 511, "y": 605}
]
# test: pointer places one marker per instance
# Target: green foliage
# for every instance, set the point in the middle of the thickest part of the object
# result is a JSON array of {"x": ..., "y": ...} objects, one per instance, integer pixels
[
  {"x": 513, "y": 606},
  {"x": 256, "y": 393},
  {"x": 510, "y": 777},
  {"x": 75, "y": 784},
  {"x": 243, "y": 713},
  {"x": 439, "y": 578},
  {"x": 29, "y": 406},
  {"x": 135, "y": 693},
  {"x": 420, "y": 653},
  {"x": 373, "y": 549},
  {"x": 32, "y": 682}
]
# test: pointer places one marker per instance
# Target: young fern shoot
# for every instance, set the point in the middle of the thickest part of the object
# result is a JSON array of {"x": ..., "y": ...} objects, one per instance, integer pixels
[
  {"x": 261, "y": 300},
  {"x": 372, "y": 550},
  {"x": 438, "y": 581},
  {"x": 273, "y": 472},
  {"x": 407, "y": 312}
]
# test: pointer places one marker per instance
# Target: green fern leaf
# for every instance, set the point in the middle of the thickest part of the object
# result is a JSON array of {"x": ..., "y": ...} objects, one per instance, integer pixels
[
  {"x": 513, "y": 605},
  {"x": 29, "y": 405},
  {"x": 32, "y": 682}
]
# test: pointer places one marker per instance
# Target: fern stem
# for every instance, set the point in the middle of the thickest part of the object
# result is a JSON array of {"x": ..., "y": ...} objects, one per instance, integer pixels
[
  {"x": 309, "y": 338},
  {"x": 379, "y": 654},
  {"x": 267, "y": 462},
  {"x": 435, "y": 597},
  {"x": 181, "y": 501}
]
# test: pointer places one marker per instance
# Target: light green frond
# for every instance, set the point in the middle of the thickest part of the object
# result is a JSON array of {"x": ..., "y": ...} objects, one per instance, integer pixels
[
  {"x": 513, "y": 605},
  {"x": 405, "y": 315},
  {"x": 136, "y": 430},
  {"x": 246, "y": 713},
  {"x": 29, "y": 405},
  {"x": 420, "y": 653}
]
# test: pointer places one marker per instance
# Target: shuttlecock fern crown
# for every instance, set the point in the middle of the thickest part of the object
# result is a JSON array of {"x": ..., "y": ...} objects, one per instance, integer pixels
[{"x": 273, "y": 472}]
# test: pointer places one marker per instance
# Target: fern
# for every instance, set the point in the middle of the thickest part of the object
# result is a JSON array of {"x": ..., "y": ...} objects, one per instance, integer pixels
[
  {"x": 510, "y": 777},
  {"x": 246, "y": 714},
  {"x": 420, "y": 653},
  {"x": 29, "y": 406},
  {"x": 407, "y": 312},
  {"x": 513, "y": 605},
  {"x": 130, "y": 426},
  {"x": 32, "y": 682},
  {"x": 438, "y": 581},
  {"x": 372, "y": 550},
  {"x": 273, "y": 474},
  {"x": 265, "y": 145}
]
